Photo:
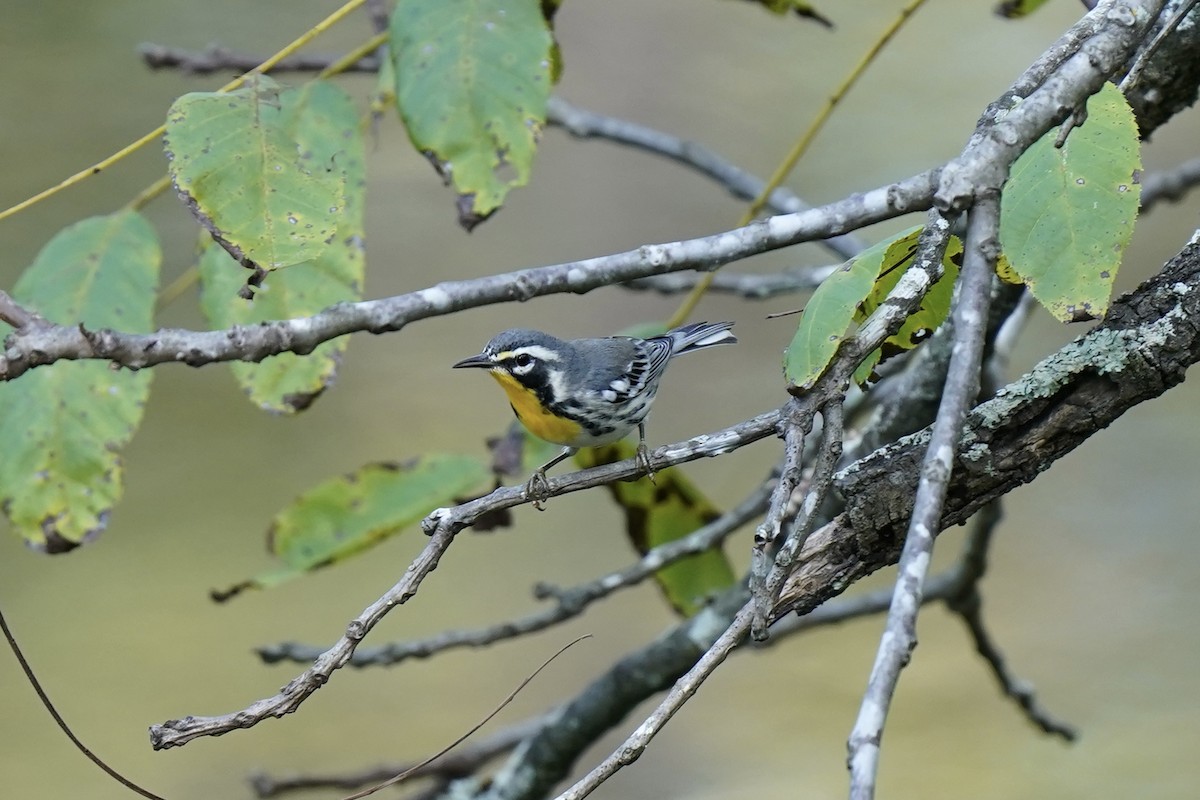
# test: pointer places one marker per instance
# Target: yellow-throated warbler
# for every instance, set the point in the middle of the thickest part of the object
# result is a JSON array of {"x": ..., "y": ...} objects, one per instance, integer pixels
[{"x": 586, "y": 392}]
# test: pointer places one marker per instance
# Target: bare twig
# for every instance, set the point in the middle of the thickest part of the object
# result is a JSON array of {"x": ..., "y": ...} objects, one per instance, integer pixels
[
  {"x": 443, "y": 525},
  {"x": 15, "y": 314},
  {"x": 818, "y": 491},
  {"x": 583, "y": 124},
  {"x": 966, "y": 600},
  {"x": 568, "y": 603},
  {"x": 1131, "y": 78},
  {"x": 962, "y": 388},
  {"x": 52, "y": 710},
  {"x": 633, "y": 747},
  {"x": 1170, "y": 185},
  {"x": 459, "y": 763},
  {"x": 28, "y": 349},
  {"x": 178, "y": 732},
  {"x": 216, "y": 58},
  {"x": 751, "y": 287},
  {"x": 796, "y": 425},
  {"x": 408, "y": 773}
]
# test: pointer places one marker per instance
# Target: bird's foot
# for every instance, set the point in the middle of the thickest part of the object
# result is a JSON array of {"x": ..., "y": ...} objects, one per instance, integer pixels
[
  {"x": 537, "y": 489},
  {"x": 643, "y": 460}
]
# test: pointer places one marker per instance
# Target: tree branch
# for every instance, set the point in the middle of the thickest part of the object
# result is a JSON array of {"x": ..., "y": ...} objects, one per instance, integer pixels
[
  {"x": 459, "y": 763},
  {"x": 568, "y": 603},
  {"x": 1008, "y": 441},
  {"x": 45, "y": 345},
  {"x": 442, "y": 526},
  {"x": 982, "y": 247},
  {"x": 584, "y": 124},
  {"x": 1142, "y": 348},
  {"x": 966, "y": 600}
]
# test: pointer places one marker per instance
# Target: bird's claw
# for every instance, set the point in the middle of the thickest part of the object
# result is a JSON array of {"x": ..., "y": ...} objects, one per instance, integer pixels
[
  {"x": 537, "y": 490},
  {"x": 643, "y": 460}
]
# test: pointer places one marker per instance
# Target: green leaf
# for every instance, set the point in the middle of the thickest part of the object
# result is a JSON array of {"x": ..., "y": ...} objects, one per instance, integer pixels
[
  {"x": 831, "y": 309},
  {"x": 62, "y": 425},
  {"x": 670, "y": 508},
  {"x": 931, "y": 312},
  {"x": 264, "y": 196},
  {"x": 349, "y": 514},
  {"x": 1067, "y": 213},
  {"x": 322, "y": 119},
  {"x": 473, "y": 78}
]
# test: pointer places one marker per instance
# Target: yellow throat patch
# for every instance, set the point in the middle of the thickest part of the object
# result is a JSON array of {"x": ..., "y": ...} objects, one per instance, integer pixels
[{"x": 539, "y": 421}]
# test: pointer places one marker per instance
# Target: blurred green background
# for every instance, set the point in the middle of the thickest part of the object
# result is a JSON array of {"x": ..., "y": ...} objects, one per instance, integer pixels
[{"x": 1092, "y": 587}]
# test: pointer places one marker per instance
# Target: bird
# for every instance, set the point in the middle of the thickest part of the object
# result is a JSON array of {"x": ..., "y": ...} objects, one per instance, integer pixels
[{"x": 586, "y": 392}]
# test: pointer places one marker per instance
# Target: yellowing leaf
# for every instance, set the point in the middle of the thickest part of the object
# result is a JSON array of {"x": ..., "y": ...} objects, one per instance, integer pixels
[
  {"x": 322, "y": 119},
  {"x": 346, "y": 515},
  {"x": 63, "y": 425},
  {"x": 1067, "y": 213},
  {"x": 263, "y": 196},
  {"x": 932, "y": 310}
]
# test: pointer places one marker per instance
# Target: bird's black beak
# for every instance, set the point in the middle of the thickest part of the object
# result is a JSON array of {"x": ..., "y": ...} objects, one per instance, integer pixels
[{"x": 480, "y": 360}]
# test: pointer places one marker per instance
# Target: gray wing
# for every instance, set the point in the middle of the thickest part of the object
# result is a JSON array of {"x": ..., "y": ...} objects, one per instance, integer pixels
[{"x": 628, "y": 366}]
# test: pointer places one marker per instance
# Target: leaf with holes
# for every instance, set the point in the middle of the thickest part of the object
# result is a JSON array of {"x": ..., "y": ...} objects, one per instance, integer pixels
[
  {"x": 322, "y": 119},
  {"x": 263, "y": 196},
  {"x": 472, "y": 80},
  {"x": 62, "y": 426},
  {"x": 1067, "y": 214}
]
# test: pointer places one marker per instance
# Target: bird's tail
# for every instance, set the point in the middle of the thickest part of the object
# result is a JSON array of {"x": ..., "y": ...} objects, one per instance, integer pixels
[{"x": 698, "y": 336}]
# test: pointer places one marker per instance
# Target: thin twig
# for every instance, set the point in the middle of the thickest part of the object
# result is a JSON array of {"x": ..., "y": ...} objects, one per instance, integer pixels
[
  {"x": 633, "y": 747},
  {"x": 584, "y": 124},
  {"x": 748, "y": 286},
  {"x": 411, "y": 771},
  {"x": 459, "y": 763},
  {"x": 154, "y": 135},
  {"x": 52, "y": 710},
  {"x": 1131, "y": 78},
  {"x": 568, "y": 603},
  {"x": 174, "y": 733},
  {"x": 796, "y": 424},
  {"x": 962, "y": 388},
  {"x": 28, "y": 349},
  {"x": 216, "y": 58},
  {"x": 966, "y": 601},
  {"x": 818, "y": 491},
  {"x": 16, "y": 314},
  {"x": 1169, "y": 184},
  {"x": 443, "y": 525}
]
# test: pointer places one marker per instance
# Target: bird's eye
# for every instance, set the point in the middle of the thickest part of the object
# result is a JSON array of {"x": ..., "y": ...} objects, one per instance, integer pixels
[{"x": 523, "y": 360}]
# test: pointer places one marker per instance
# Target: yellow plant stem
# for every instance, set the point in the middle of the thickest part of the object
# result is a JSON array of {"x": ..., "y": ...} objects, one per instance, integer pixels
[
  {"x": 798, "y": 150},
  {"x": 100, "y": 166},
  {"x": 354, "y": 56}
]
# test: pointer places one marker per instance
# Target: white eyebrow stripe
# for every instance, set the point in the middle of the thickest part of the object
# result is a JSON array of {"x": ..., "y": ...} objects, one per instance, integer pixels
[{"x": 535, "y": 350}]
